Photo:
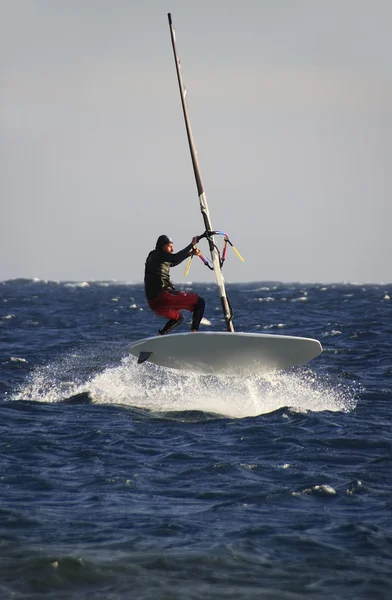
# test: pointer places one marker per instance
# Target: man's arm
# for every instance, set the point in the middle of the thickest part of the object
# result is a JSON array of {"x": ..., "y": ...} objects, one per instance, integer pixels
[{"x": 179, "y": 257}]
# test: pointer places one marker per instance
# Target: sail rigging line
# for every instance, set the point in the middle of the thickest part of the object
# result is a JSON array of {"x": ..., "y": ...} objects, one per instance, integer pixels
[{"x": 215, "y": 257}]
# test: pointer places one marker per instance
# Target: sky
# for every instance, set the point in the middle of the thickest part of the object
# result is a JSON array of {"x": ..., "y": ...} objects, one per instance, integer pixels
[{"x": 291, "y": 108}]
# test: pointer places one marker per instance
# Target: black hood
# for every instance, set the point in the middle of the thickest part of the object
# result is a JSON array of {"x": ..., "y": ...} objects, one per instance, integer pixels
[{"x": 161, "y": 241}]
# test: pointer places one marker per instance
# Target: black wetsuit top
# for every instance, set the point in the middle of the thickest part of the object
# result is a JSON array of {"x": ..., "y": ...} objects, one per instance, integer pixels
[{"x": 157, "y": 271}]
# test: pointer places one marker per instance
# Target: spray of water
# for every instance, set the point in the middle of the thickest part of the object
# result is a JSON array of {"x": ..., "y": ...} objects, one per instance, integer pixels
[{"x": 163, "y": 390}]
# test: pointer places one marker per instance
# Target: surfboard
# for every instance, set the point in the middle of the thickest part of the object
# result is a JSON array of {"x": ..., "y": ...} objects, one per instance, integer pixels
[{"x": 226, "y": 353}]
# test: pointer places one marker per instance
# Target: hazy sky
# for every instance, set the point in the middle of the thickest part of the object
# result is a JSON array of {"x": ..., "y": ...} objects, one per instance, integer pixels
[{"x": 291, "y": 109}]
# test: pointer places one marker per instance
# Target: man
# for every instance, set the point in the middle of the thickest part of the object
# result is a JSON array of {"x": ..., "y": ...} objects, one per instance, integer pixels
[{"x": 163, "y": 299}]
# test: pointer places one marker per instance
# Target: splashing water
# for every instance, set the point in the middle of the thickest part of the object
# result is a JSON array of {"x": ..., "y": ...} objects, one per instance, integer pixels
[{"x": 164, "y": 390}]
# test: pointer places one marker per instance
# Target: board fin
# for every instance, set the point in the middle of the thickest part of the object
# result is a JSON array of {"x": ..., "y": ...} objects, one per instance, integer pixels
[{"x": 143, "y": 356}]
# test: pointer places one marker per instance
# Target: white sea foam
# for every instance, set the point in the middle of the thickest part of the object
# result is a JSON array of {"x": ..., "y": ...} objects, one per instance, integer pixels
[
  {"x": 78, "y": 284},
  {"x": 164, "y": 390},
  {"x": 333, "y": 332},
  {"x": 320, "y": 490},
  {"x": 205, "y": 322}
]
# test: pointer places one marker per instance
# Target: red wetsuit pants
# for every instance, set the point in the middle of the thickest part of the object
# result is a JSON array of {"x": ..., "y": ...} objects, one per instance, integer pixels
[{"x": 169, "y": 305}]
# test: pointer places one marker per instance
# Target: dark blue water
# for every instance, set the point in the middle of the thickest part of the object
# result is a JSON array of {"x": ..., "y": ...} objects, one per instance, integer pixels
[{"x": 122, "y": 481}]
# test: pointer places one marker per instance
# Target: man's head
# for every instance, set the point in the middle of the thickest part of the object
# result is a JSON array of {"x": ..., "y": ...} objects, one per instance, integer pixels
[{"x": 164, "y": 243}]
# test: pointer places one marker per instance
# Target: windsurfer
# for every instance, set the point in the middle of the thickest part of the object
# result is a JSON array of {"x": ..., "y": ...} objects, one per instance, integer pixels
[{"x": 163, "y": 299}]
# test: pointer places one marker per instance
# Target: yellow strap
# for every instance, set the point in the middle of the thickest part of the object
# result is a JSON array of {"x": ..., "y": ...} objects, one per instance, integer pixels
[
  {"x": 188, "y": 265},
  {"x": 237, "y": 253}
]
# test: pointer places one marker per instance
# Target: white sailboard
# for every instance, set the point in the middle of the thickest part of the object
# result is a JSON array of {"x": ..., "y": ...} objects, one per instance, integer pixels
[
  {"x": 229, "y": 352},
  {"x": 226, "y": 353}
]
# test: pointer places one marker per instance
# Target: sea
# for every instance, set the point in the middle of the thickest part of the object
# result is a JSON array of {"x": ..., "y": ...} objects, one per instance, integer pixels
[{"x": 122, "y": 481}]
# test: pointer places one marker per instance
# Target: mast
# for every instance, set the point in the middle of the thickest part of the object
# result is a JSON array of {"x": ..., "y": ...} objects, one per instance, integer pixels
[{"x": 227, "y": 312}]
